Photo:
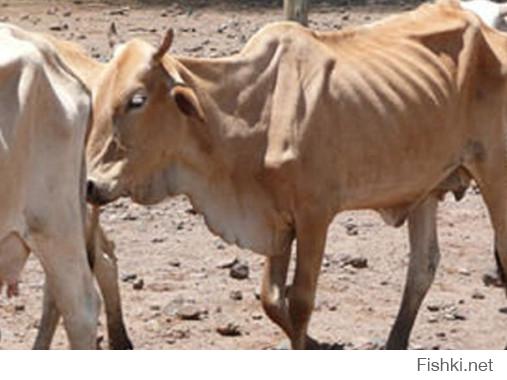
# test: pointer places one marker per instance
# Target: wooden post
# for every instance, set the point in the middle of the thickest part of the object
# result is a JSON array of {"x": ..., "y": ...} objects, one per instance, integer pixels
[{"x": 296, "y": 10}]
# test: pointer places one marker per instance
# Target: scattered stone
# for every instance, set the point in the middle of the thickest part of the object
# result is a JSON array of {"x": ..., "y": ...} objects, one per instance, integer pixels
[
  {"x": 478, "y": 295},
  {"x": 178, "y": 334},
  {"x": 155, "y": 307},
  {"x": 239, "y": 271},
  {"x": 228, "y": 264},
  {"x": 257, "y": 317},
  {"x": 440, "y": 334},
  {"x": 503, "y": 310},
  {"x": 220, "y": 246},
  {"x": 191, "y": 211},
  {"x": 67, "y": 14},
  {"x": 120, "y": 12},
  {"x": 157, "y": 240},
  {"x": 230, "y": 329},
  {"x": 138, "y": 284},
  {"x": 127, "y": 215},
  {"x": 464, "y": 272},
  {"x": 193, "y": 49},
  {"x": 180, "y": 226},
  {"x": 191, "y": 313},
  {"x": 433, "y": 308},
  {"x": 175, "y": 263},
  {"x": 432, "y": 319},
  {"x": 454, "y": 316},
  {"x": 59, "y": 27},
  {"x": 19, "y": 307},
  {"x": 128, "y": 277},
  {"x": 351, "y": 229},
  {"x": 357, "y": 262},
  {"x": 236, "y": 295}
]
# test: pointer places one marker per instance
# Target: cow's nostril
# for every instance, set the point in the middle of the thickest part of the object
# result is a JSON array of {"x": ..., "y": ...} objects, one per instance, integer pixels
[{"x": 90, "y": 189}]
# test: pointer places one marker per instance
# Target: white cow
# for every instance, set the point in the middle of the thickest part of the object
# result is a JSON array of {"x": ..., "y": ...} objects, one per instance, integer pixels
[
  {"x": 493, "y": 14},
  {"x": 44, "y": 115}
]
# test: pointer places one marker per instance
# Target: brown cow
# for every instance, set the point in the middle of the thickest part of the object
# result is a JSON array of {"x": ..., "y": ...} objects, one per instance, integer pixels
[{"x": 271, "y": 143}]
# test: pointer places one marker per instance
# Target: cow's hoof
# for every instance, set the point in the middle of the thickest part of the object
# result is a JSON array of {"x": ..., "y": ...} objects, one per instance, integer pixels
[{"x": 124, "y": 344}]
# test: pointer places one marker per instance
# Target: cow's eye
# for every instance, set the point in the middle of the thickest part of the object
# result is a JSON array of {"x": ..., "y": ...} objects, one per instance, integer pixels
[{"x": 136, "y": 101}]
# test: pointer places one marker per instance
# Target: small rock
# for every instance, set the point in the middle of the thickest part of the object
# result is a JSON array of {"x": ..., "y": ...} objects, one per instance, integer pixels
[
  {"x": 19, "y": 307},
  {"x": 230, "y": 329},
  {"x": 228, "y": 264},
  {"x": 432, "y": 319},
  {"x": 191, "y": 313},
  {"x": 138, "y": 284},
  {"x": 257, "y": 317},
  {"x": 478, "y": 295},
  {"x": 157, "y": 240},
  {"x": 433, "y": 308},
  {"x": 358, "y": 262},
  {"x": 220, "y": 246},
  {"x": 127, "y": 215},
  {"x": 239, "y": 271},
  {"x": 503, "y": 310},
  {"x": 236, "y": 295},
  {"x": 67, "y": 14},
  {"x": 119, "y": 12},
  {"x": 464, "y": 272},
  {"x": 128, "y": 277},
  {"x": 59, "y": 27},
  {"x": 180, "y": 226},
  {"x": 175, "y": 263},
  {"x": 351, "y": 229},
  {"x": 440, "y": 334},
  {"x": 155, "y": 307},
  {"x": 455, "y": 316}
]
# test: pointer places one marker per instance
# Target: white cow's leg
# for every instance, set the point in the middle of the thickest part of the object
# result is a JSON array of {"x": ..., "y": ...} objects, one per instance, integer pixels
[
  {"x": 424, "y": 258},
  {"x": 48, "y": 323},
  {"x": 69, "y": 280},
  {"x": 106, "y": 272},
  {"x": 311, "y": 240}
]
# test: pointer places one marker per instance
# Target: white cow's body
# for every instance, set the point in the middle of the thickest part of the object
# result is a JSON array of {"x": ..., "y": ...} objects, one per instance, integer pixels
[
  {"x": 493, "y": 14},
  {"x": 44, "y": 114}
]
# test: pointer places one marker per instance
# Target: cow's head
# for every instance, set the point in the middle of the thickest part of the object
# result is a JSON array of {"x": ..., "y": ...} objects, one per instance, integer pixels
[{"x": 142, "y": 111}]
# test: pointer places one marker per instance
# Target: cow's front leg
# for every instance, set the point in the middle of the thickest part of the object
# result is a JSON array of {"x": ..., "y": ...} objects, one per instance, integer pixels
[
  {"x": 273, "y": 291},
  {"x": 48, "y": 322},
  {"x": 311, "y": 240},
  {"x": 106, "y": 272},
  {"x": 424, "y": 258}
]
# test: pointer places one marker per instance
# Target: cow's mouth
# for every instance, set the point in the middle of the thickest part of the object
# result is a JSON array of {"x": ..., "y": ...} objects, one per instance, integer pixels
[{"x": 96, "y": 194}]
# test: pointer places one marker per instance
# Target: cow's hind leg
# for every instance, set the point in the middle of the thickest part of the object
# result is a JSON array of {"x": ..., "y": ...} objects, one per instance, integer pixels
[
  {"x": 70, "y": 282},
  {"x": 424, "y": 258},
  {"x": 48, "y": 322}
]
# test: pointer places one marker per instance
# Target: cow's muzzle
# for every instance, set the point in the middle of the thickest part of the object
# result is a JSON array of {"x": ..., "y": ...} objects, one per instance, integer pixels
[{"x": 95, "y": 195}]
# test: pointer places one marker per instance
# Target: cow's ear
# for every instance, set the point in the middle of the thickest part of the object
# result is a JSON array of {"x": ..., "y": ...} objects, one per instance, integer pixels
[{"x": 187, "y": 101}]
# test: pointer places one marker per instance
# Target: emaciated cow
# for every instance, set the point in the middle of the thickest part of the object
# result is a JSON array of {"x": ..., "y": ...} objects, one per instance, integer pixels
[
  {"x": 44, "y": 114},
  {"x": 271, "y": 143}
]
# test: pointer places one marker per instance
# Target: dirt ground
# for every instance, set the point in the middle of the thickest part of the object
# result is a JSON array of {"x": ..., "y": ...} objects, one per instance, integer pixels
[{"x": 179, "y": 260}]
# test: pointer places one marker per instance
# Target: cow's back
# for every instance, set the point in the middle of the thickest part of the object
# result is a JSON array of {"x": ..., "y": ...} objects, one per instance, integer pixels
[
  {"x": 44, "y": 112},
  {"x": 387, "y": 101}
]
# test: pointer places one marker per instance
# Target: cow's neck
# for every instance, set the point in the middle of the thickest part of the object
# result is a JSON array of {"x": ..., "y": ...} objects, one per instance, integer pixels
[{"x": 222, "y": 179}]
